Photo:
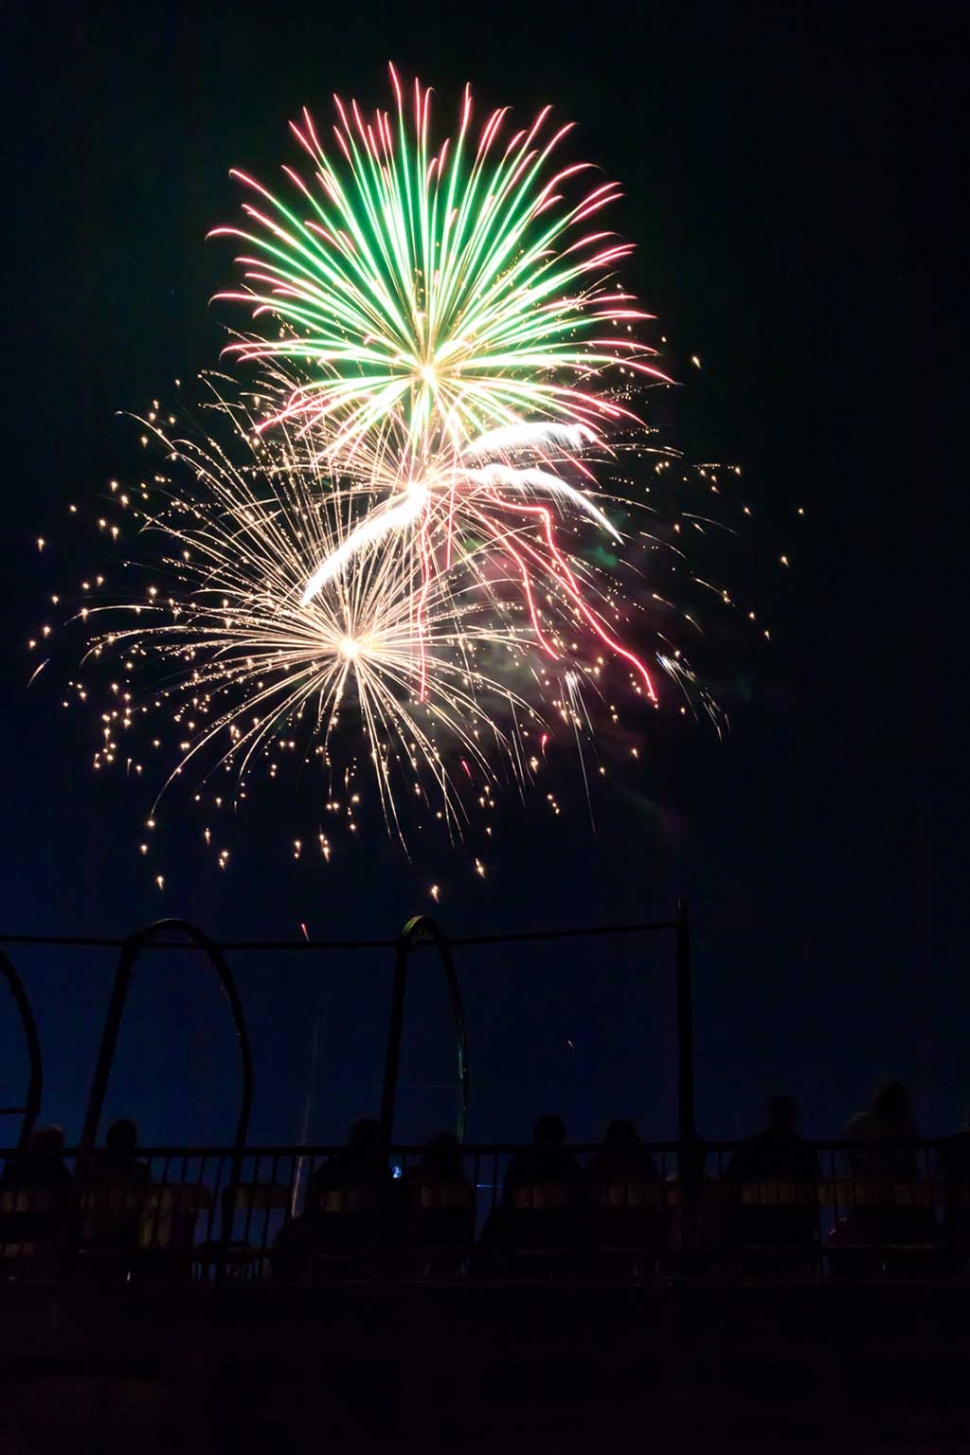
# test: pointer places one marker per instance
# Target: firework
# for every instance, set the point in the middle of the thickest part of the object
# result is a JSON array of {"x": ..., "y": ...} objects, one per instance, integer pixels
[
  {"x": 412, "y": 567},
  {"x": 416, "y": 676},
  {"x": 445, "y": 311},
  {"x": 253, "y": 670},
  {"x": 429, "y": 296}
]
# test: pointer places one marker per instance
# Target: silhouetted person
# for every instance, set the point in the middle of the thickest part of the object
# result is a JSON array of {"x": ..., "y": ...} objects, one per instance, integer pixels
[
  {"x": 116, "y": 1164},
  {"x": 41, "y": 1165},
  {"x": 441, "y": 1161},
  {"x": 438, "y": 1204},
  {"x": 776, "y": 1153},
  {"x": 622, "y": 1156},
  {"x": 113, "y": 1207},
  {"x": 885, "y": 1157},
  {"x": 543, "y": 1202},
  {"x": 888, "y": 1120},
  {"x": 363, "y": 1162},
  {"x": 348, "y": 1206},
  {"x": 776, "y": 1173},
  {"x": 41, "y": 1174},
  {"x": 625, "y": 1215},
  {"x": 546, "y": 1161}
]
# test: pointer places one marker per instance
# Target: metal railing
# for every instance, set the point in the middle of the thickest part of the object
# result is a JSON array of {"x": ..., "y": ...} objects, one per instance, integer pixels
[
  {"x": 289, "y": 1213},
  {"x": 201, "y": 1214}
]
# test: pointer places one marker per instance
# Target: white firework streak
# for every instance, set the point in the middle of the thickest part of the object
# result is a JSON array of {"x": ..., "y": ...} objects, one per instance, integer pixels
[
  {"x": 525, "y": 480},
  {"x": 386, "y": 519},
  {"x": 533, "y": 437},
  {"x": 378, "y": 524}
]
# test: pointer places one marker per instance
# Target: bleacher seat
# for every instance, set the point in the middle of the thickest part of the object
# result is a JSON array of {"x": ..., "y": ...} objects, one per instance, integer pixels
[
  {"x": 626, "y": 1224},
  {"x": 244, "y": 1256},
  {"x": 439, "y": 1225}
]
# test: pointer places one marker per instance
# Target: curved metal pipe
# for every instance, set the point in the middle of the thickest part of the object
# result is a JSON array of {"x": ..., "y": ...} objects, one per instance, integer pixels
[
  {"x": 35, "y": 1076},
  {"x": 421, "y": 930},
  {"x": 99, "y": 1084}
]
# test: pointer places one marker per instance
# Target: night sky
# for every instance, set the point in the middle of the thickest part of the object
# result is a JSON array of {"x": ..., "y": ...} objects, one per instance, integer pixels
[{"x": 792, "y": 176}]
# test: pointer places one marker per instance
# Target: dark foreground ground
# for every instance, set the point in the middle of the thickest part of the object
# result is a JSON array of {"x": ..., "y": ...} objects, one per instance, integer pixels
[{"x": 856, "y": 1368}]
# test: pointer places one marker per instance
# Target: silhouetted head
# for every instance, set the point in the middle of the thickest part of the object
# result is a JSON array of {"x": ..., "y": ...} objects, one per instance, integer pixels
[
  {"x": 549, "y": 1131},
  {"x": 122, "y": 1138},
  {"x": 621, "y": 1135},
  {"x": 782, "y": 1113},
  {"x": 49, "y": 1140},
  {"x": 445, "y": 1151},
  {"x": 892, "y": 1101},
  {"x": 365, "y": 1136}
]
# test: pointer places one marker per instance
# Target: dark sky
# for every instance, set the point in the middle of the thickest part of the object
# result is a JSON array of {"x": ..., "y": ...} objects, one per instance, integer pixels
[{"x": 792, "y": 176}]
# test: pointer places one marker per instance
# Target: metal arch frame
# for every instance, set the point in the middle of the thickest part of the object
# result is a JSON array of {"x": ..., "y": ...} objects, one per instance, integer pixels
[
  {"x": 130, "y": 951},
  {"x": 421, "y": 930},
  {"x": 35, "y": 1076}
]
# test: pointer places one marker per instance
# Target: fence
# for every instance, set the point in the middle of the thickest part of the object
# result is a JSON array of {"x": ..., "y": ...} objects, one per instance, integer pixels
[
  {"x": 293, "y": 1215},
  {"x": 290, "y": 1213}
]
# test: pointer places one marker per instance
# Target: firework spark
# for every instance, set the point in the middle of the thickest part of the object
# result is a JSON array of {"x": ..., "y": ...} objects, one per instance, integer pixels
[
  {"x": 427, "y": 685},
  {"x": 416, "y": 543},
  {"x": 446, "y": 311},
  {"x": 255, "y": 668},
  {"x": 428, "y": 297}
]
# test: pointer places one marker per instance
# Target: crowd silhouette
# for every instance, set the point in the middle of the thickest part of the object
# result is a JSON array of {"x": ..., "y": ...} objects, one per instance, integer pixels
[{"x": 762, "y": 1203}]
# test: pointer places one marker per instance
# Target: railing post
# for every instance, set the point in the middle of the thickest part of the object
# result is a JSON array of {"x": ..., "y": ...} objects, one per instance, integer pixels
[
  {"x": 394, "y": 1032},
  {"x": 685, "y": 1028},
  {"x": 35, "y": 1077},
  {"x": 687, "y": 1155}
]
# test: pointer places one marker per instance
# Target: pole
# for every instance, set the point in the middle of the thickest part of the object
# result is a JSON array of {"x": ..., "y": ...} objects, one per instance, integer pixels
[
  {"x": 685, "y": 1029},
  {"x": 687, "y": 1155},
  {"x": 394, "y": 1030},
  {"x": 310, "y": 1084},
  {"x": 35, "y": 1078}
]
